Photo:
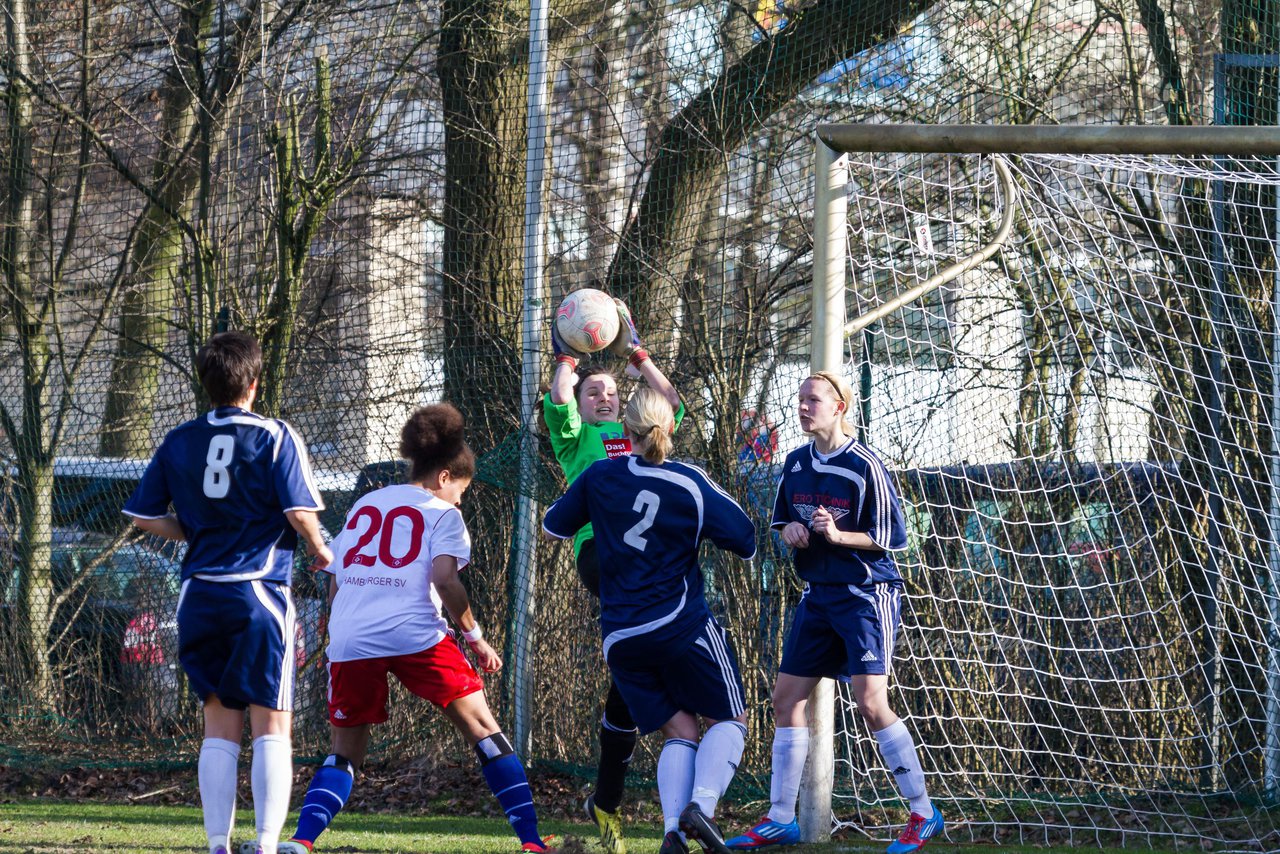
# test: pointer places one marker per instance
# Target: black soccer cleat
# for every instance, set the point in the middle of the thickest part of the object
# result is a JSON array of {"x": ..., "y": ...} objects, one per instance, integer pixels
[
  {"x": 673, "y": 844},
  {"x": 697, "y": 826}
]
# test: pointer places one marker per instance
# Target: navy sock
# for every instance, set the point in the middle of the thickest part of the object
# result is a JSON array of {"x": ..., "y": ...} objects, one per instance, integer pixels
[
  {"x": 329, "y": 790},
  {"x": 505, "y": 775},
  {"x": 618, "y": 736}
]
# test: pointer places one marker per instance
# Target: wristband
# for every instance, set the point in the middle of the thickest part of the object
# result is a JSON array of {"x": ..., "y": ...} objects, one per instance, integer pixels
[
  {"x": 568, "y": 360},
  {"x": 475, "y": 635},
  {"x": 640, "y": 355}
]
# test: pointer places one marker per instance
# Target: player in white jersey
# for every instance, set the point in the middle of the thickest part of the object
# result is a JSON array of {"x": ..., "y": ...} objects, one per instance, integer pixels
[
  {"x": 393, "y": 577},
  {"x": 836, "y": 507}
]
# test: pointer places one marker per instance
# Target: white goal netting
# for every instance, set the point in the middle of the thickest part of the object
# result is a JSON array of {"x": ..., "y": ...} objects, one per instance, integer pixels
[{"x": 1082, "y": 432}]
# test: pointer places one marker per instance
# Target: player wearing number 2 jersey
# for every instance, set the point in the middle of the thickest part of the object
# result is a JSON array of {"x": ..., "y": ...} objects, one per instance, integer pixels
[
  {"x": 394, "y": 575},
  {"x": 584, "y": 428},
  {"x": 242, "y": 492},
  {"x": 669, "y": 657}
]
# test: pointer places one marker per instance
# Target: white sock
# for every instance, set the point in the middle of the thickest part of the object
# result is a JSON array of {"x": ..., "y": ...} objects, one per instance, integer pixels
[
  {"x": 216, "y": 773},
  {"x": 790, "y": 749},
  {"x": 900, "y": 757},
  {"x": 272, "y": 785},
  {"x": 719, "y": 753},
  {"x": 675, "y": 780}
]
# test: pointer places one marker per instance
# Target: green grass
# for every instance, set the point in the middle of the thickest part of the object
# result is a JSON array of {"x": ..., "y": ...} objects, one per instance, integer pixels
[{"x": 46, "y": 826}]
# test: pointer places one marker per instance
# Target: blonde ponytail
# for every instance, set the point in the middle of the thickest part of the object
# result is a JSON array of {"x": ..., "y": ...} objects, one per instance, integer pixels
[
  {"x": 844, "y": 392},
  {"x": 649, "y": 420}
]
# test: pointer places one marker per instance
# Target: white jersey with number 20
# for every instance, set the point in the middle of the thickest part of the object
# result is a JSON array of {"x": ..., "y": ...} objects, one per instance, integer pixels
[{"x": 386, "y": 604}]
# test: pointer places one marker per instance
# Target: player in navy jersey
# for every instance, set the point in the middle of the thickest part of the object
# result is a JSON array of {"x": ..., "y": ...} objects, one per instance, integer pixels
[
  {"x": 669, "y": 657},
  {"x": 583, "y": 427},
  {"x": 837, "y": 508},
  {"x": 242, "y": 493},
  {"x": 394, "y": 576}
]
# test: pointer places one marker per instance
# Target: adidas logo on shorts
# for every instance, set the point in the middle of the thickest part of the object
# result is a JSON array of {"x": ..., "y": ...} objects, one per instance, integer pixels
[
  {"x": 869, "y": 656},
  {"x": 338, "y": 714}
]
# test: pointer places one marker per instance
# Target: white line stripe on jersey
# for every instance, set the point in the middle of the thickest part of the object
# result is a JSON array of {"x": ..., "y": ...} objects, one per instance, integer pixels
[
  {"x": 304, "y": 462},
  {"x": 247, "y": 419},
  {"x": 881, "y": 493},
  {"x": 652, "y": 625},
  {"x": 255, "y": 575},
  {"x": 681, "y": 480}
]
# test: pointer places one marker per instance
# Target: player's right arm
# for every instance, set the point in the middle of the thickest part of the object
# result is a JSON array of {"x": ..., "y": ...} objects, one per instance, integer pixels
[
  {"x": 570, "y": 512},
  {"x": 148, "y": 506},
  {"x": 564, "y": 378}
]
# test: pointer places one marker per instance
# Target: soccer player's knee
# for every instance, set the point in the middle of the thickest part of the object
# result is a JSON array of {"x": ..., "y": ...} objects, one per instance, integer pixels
[
  {"x": 337, "y": 760},
  {"x": 491, "y": 748}
]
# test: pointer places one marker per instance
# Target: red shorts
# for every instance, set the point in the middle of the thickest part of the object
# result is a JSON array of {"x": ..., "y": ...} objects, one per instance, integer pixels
[{"x": 358, "y": 689}]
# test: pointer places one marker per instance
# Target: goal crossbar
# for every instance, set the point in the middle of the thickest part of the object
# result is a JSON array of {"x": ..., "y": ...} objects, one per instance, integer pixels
[{"x": 1053, "y": 139}]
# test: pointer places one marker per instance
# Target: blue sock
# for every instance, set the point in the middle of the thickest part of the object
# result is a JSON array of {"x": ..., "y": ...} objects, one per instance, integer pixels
[
  {"x": 505, "y": 775},
  {"x": 329, "y": 790}
]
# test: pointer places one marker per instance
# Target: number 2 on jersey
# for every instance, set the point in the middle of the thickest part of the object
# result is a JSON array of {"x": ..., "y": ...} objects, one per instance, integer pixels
[
  {"x": 386, "y": 526},
  {"x": 647, "y": 504},
  {"x": 217, "y": 471}
]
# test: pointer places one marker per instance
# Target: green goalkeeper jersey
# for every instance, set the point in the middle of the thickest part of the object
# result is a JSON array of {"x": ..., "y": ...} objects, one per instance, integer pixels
[{"x": 578, "y": 445}]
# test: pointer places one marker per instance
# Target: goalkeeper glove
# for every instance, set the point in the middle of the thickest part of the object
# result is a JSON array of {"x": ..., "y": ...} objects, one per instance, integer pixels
[
  {"x": 564, "y": 353},
  {"x": 627, "y": 343}
]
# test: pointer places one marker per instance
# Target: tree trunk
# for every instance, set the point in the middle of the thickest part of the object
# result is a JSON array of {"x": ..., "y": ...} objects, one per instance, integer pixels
[
  {"x": 658, "y": 242},
  {"x": 30, "y": 438},
  {"x": 483, "y": 81}
]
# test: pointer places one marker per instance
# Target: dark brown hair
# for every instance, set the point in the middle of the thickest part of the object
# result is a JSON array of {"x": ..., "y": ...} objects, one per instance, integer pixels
[
  {"x": 433, "y": 439},
  {"x": 227, "y": 365},
  {"x": 587, "y": 370}
]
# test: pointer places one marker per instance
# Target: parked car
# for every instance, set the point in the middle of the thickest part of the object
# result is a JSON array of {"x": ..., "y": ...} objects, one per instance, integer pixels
[{"x": 114, "y": 636}]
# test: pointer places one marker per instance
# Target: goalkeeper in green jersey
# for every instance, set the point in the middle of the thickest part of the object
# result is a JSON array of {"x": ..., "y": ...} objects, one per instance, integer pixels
[{"x": 584, "y": 426}]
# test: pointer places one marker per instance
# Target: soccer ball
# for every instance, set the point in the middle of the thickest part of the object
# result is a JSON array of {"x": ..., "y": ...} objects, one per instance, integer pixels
[{"x": 587, "y": 320}]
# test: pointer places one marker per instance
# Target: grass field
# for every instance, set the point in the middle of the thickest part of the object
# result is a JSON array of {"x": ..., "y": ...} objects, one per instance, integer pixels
[{"x": 41, "y": 826}]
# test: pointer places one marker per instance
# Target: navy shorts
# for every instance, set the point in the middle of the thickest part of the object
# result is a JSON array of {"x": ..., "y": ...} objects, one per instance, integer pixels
[
  {"x": 657, "y": 680},
  {"x": 236, "y": 640},
  {"x": 843, "y": 630}
]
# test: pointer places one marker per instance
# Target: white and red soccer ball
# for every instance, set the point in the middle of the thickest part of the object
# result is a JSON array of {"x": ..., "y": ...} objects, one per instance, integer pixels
[{"x": 587, "y": 320}]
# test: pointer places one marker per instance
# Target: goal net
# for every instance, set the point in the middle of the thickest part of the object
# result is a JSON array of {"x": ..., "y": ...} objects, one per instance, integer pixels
[{"x": 1081, "y": 429}]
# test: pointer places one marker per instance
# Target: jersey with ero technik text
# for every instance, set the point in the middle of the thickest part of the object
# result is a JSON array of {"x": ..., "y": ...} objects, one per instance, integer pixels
[
  {"x": 648, "y": 521},
  {"x": 577, "y": 444},
  {"x": 854, "y": 486},
  {"x": 386, "y": 604},
  {"x": 231, "y": 475}
]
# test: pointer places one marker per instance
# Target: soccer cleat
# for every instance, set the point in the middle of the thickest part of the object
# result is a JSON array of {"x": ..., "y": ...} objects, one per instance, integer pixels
[
  {"x": 543, "y": 847},
  {"x": 918, "y": 831},
  {"x": 767, "y": 832},
  {"x": 610, "y": 826},
  {"x": 696, "y": 825},
  {"x": 293, "y": 846},
  {"x": 673, "y": 844},
  {"x": 219, "y": 850}
]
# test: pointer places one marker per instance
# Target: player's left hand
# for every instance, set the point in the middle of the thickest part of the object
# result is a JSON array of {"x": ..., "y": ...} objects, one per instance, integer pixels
[
  {"x": 627, "y": 342},
  {"x": 825, "y": 524},
  {"x": 486, "y": 656}
]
